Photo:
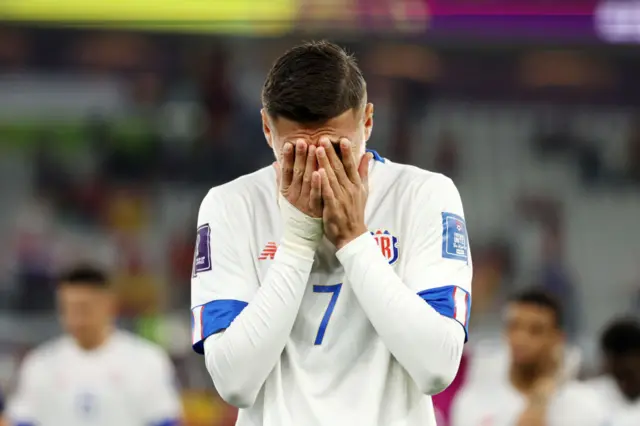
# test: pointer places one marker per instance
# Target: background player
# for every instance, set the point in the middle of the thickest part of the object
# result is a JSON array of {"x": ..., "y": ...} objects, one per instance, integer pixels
[
  {"x": 362, "y": 312},
  {"x": 94, "y": 374},
  {"x": 619, "y": 388},
  {"x": 534, "y": 391}
]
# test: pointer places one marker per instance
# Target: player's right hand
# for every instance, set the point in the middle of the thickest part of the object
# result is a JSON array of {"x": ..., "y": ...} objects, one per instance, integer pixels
[{"x": 296, "y": 180}]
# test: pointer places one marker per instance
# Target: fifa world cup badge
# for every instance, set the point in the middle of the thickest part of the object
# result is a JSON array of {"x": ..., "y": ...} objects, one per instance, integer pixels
[
  {"x": 388, "y": 245},
  {"x": 455, "y": 243},
  {"x": 202, "y": 252}
]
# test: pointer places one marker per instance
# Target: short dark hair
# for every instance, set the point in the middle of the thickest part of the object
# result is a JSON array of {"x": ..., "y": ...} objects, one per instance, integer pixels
[
  {"x": 84, "y": 275},
  {"x": 313, "y": 83},
  {"x": 621, "y": 337},
  {"x": 539, "y": 297}
]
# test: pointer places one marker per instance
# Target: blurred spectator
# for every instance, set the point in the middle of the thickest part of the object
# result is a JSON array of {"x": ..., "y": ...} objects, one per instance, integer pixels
[
  {"x": 555, "y": 139},
  {"x": 590, "y": 165},
  {"x": 137, "y": 286},
  {"x": 180, "y": 259},
  {"x": 113, "y": 52},
  {"x": 14, "y": 50},
  {"x": 217, "y": 95},
  {"x": 126, "y": 210},
  {"x": 35, "y": 261},
  {"x": 50, "y": 180}
]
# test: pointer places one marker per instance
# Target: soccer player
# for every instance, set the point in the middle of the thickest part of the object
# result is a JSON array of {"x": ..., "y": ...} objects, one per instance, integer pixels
[
  {"x": 619, "y": 388},
  {"x": 334, "y": 287},
  {"x": 534, "y": 391},
  {"x": 94, "y": 375}
]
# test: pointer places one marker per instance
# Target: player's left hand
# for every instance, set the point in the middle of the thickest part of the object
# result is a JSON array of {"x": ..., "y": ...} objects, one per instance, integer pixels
[{"x": 344, "y": 191}]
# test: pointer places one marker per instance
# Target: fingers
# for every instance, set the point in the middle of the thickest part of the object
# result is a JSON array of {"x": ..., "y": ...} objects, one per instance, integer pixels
[
  {"x": 326, "y": 169},
  {"x": 310, "y": 167},
  {"x": 315, "y": 197},
  {"x": 286, "y": 169},
  {"x": 299, "y": 164},
  {"x": 348, "y": 160},
  {"x": 328, "y": 195},
  {"x": 335, "y": 162}
]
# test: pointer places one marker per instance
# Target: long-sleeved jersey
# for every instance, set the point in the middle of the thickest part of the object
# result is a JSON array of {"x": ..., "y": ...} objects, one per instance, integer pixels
[{"x": 359, "y": 336}]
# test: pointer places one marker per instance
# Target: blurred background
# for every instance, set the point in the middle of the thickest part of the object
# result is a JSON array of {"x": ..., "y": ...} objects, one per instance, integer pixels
[{"x": 116, "y": 118}]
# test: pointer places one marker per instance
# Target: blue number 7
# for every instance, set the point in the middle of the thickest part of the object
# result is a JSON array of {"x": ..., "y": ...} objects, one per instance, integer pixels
[{"x": 335, "y": 289}]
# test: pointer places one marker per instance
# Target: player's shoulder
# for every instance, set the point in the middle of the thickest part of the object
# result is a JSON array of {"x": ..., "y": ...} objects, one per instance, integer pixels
[
  {"x": 419, "y": 185},
  {"x": 242, "y": 190},
  {"x": 601, "y": 384},
  {"x": 576, "y": 393},
  {"x": 140, "y": 348},
  {"x": 472, "y": 402},
  {"x": 408, "y": 172},
  {"x": 141, "y": 356},
  {"x": 46, "y": 352},
  {"x": 475, "y": 393},
  {"x": 577, "y": 403}
]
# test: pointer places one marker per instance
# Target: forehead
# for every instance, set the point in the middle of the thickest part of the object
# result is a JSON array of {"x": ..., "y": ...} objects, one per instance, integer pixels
[
  {"x": 343, "y": 125},
  {"x": 78, "y": 290}
]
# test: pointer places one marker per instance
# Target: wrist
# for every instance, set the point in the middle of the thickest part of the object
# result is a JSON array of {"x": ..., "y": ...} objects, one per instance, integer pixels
[
  {"x": 301, "y": 233},
  {"x": 352, "y": 236}
]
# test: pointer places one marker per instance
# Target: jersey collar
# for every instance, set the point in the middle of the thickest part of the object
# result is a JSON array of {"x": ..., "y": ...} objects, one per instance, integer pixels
[
  {"x": 376, "y": 161},
  {"x": 376, "y": 156}
]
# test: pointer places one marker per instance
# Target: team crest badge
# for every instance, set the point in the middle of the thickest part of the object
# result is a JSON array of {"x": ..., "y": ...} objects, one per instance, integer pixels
[{"x": 388, "y": 245}]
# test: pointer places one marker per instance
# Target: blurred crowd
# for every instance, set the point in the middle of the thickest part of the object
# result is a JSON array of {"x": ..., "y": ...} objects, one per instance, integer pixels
[{"x": 109, "y": 140}]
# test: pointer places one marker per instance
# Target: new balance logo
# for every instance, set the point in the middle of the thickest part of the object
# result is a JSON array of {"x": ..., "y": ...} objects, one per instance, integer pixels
[{"x": 269, "y": 251}]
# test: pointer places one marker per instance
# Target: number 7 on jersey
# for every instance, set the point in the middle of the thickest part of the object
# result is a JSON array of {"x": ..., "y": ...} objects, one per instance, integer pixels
[{"x": 335, "y": 290}]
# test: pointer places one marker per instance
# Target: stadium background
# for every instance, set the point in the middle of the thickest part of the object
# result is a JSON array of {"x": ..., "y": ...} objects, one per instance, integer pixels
[{"x": 115, "y": 119}]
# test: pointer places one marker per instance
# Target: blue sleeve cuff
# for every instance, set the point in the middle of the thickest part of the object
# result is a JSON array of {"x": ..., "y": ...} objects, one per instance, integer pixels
[
  {"x": 450, "y": 301},
  {"x": 211, "y": 318}
]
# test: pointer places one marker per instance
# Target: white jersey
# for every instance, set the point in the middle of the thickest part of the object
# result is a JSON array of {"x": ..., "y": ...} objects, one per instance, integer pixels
[
  {"x": 334, "y": 369},
  {"x": 498, "y": 403},
  {"x": 126, "y": 382},
  {"x": 620, "y": 411}
]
